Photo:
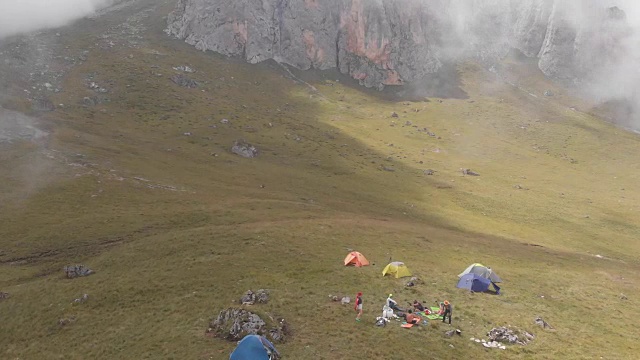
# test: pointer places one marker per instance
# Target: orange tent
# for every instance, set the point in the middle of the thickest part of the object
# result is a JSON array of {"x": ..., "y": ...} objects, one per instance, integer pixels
[{"x": 355, "y": 258}]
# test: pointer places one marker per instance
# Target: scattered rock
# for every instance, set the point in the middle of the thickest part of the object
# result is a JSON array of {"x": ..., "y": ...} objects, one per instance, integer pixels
[
  {"x": 540, "y": 321},
  {"x": 184, "y": 68},
  {"x": 548, "y": 93},
  {"x": 184, "y": 81},
  {"x": 452, "y": 332},
  {"x": 233, "y": 324},
  {"x": 622, "y": 296},
  {"x": 493, "y": 344},
  {"x": 4, "y": 295},
  {"x": 244, "y": 149},
  {"x": 345, "y": 300},
  {"x": 249, "y": 298},
  {"x": 387, "y": 168},
  {"x": 66, "y": 321},
  {"x": 413, "y": 282},
  {"x": 87, "y": 101},
  {"x": 224, "y": 121},
  {"x": 408, "y": 123},
  {"x": 187, "y": 134},
  {"x": 394, "y": 114},
  {"x": 520, "y": 187},
  {"x": 74, "y": 271},
  {"x": 469, "y": 172},
  {"x": 429, "y": 172},
  {"x": 81, "y": 299},
  {"x": 42, "y": 104}
]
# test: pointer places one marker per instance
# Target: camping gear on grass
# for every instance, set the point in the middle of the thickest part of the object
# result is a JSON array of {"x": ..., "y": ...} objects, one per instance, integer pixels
[
  {"x": 356, "y": 259},
  {"x": 254, "y": 347},
  {"x": 396, "y": 268}
]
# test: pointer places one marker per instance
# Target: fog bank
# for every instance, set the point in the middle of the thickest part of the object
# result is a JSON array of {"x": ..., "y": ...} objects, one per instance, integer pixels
[{"x": 18, "y": 16}]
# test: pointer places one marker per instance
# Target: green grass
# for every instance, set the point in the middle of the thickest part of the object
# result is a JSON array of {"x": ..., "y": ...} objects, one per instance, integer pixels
[{"x": 167, "y": 261}]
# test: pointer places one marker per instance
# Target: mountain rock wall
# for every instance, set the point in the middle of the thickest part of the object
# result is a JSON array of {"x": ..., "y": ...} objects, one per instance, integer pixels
[{"x": 390, "y": 42}]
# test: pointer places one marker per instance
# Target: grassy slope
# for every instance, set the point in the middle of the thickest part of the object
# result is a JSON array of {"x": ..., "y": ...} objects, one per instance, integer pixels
[{"x": 168, "y": 260}]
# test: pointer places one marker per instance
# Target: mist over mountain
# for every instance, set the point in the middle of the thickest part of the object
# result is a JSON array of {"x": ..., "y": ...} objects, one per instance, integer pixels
[{"x": 18, "y": 16}]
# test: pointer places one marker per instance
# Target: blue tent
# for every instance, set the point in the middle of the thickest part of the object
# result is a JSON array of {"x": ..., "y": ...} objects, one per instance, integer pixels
[
  {"x": 253, "y": 347},
  {"x": 474, "y": 282}
]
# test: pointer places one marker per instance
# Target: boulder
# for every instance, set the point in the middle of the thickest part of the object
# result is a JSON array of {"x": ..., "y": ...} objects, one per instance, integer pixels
[
  {"x": 74, "y": 271},
  {"x": 4, "y": 295},
  {"x": 233, "y": 324},
  {"x": 184, "y": 81},
  {"x": 244, "y": 149},
  {"x": 469, "y": 172}
]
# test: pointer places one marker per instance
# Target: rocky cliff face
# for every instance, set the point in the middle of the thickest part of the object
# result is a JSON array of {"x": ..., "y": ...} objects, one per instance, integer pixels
[{"x": 390, "y": 42}]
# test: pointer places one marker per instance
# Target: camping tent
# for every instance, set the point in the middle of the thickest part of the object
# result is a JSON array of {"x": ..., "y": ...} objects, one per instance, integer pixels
[
  {"x": 356, "y": 259},
  {"x": 481, "y": 271},
  {"x": 474, "y": 283},
  {"x": 253, "y": 347},
  {"x": 397, "y": 268}
]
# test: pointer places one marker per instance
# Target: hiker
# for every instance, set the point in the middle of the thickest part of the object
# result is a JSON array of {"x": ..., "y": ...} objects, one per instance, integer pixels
[
  {"x": 447, "y": 311},
  {"x": 418, "y": 306},
  {"x": 411, "y": 318},
  {"x": 358, "y": 306},
  {"x": 392, "y": 303}
]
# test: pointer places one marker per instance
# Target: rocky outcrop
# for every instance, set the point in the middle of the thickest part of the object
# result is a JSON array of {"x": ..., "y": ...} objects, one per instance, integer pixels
[
  {"x": 391, "y": 42},
  {"x": 234, "y": 324}
]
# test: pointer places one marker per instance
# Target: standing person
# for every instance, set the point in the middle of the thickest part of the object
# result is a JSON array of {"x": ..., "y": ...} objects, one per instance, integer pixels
[
  {"x": 358, "y": 306},
  {"x": 447, "y": 311}
]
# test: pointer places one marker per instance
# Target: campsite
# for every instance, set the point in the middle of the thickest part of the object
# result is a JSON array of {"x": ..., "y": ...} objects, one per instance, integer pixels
[{"x": 155, "y": 197}]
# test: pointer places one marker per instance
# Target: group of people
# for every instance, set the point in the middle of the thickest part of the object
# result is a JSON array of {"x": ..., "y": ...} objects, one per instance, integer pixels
[{"x": 445, "y": 309}]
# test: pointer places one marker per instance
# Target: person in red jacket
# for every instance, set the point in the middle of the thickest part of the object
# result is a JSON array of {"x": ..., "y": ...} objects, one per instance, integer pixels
[{"x": 358, "y": 306}]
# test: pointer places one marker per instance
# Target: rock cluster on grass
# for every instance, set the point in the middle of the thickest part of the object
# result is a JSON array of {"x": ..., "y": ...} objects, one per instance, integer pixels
[
  {"x": 500, "y": 335},
  {"x": 261, "y": 296},
  {"x": 234, "y": 324},
  {"x": 184, "y": 81},
  {"x": 4, "y": 295},
  {"x": 244, "y": 149},
  {"x": 512, "y": 336},
  {"x": 74, "y": 271}
]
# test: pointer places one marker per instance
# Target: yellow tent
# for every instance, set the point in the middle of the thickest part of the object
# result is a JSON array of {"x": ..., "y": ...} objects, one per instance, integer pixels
[{"x": 397, "y": 268}]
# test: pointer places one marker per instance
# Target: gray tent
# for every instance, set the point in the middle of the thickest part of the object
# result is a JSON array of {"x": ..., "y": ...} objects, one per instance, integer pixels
[{"x": 481, "y": 271}]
